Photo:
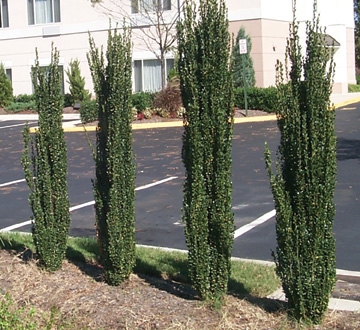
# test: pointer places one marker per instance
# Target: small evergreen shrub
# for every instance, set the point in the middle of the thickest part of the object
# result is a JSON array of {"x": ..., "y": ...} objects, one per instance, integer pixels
[
  {"x": 304, "y": 183},
  {"x": 88, "y": 111},
  {"x": 142, "y": 100},
  {"x": 169, "y": 99},
  {"x": 24, "y": 98},
  {"x": 352, "y": 88},
  {"x": 76, "y": 82},
  {"x": 6, "y": 90},
  {"x": 264, "y": 99},
  {"x": 114, "y": 185},
  {"x": 45, "y": 168},
  {"x": 21, "y": 106},
  {"x": 68, "y": 100},
  {"x": 206, "y": 84}
]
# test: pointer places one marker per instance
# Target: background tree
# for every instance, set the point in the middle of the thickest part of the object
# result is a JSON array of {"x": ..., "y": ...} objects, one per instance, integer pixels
[
  {"x": 46, "y": 167},
  {"x": 154, "y": 24},
  {"x": 6, "y": 91},
  {"x": 238, "y": 64},
  {"x": 207, "y": 93},
  {"x": 77, "y": 83},
  {"x": 114, "y": 186},
  {"x": 357, "y": 32},
  {"x": 303, "y": 187}
]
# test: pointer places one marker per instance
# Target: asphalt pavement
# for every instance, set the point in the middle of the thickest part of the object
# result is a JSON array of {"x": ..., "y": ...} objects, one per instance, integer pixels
[{"x": 158, "y": 207}]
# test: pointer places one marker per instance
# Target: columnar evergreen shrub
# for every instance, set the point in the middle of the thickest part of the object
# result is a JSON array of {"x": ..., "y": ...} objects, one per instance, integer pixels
[
  {"x": 6, "y": 90},
  {"x": 46, "y": 168},
  {"x": 303, "y": 187},
  {"x": 207, "y": 92},
  {"x": 114, "y": 186},
  {"x": 76, "y": 82},
  {"x": 243, "y": 60}
]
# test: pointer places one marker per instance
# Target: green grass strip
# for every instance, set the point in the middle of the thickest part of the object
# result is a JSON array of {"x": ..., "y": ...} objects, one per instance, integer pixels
[{"x": 246, "y": 277}]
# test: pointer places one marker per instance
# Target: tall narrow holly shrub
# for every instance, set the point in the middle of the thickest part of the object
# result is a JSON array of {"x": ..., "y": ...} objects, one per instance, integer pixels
[
  {"x": 114, "y": 185},
  {"x": 207, "y": 94},
  {"x": 303, "y": 187},
  {"x": 45, "y": 167}
]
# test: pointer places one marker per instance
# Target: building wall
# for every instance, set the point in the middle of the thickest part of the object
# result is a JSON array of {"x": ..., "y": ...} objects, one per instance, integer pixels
[{"x": 267, "y": 22}]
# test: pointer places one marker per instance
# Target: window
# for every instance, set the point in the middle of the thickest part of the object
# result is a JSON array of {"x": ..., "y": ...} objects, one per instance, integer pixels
[
  {"x": 9, "y": 74},
  {"x": 4, "y": 14},
  {"x": 147, "y": 74},
  {"x": 43, "y": 11},
  {"x": 149, "y": 5}
]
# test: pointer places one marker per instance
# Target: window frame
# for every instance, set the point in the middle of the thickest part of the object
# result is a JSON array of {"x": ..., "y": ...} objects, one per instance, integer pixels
[
  {"x": 169, "y": 63},
  {"x": 4, "y": 20},
  {"x": 8, "y": 72},
  {"x": 163, "y": 5},
  {"x": 55, "y": 13}
]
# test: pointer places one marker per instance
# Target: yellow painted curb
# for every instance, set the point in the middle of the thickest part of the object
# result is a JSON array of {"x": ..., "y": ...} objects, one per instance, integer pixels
[
  {"x": 342, "y": 104},
  {"x": 179, "y": 123},
  {"x": 254, "y": 119}
]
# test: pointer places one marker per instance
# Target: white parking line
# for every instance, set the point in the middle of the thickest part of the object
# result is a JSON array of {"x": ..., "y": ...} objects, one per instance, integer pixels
[
  {"x": 16, "y": 125},
  {"x": 244, "y": 229},
  {"x": 76, "y": 207},
  {"x": 11, "y": 182}
]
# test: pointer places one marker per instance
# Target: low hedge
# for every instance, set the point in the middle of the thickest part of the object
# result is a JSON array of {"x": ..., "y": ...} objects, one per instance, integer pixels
[
  {"x": 142, "y": 100},
  {"x": 88, "y": 111},
  {"x": 264, "y": 99}
]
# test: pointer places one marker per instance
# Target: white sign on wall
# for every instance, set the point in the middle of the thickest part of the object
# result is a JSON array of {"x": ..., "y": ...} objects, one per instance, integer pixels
[{"x": 243, "y": 46}]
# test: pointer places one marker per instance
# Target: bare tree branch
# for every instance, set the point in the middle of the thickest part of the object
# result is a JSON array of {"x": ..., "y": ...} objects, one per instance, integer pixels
[{"x": 152, "y": 23}]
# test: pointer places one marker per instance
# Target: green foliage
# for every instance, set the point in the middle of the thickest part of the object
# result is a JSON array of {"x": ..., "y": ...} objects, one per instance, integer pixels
[
  {"x": 88, "y": 111},
  {"x": 169, "y": 99},
  {"x": 14, "y": 319},
  {"x": 77, "y": 83},
  {"x": 24, "y": 98},
  {"x": 357, "y": 32},
  {"x": 258, "y": 98},
  {"x": 47, "y": 162},
  {"x": 207, "y": 92},
  {"x": 142, "y": 100},
  {"x": 243, "y": 60},
  {"x": 114, "y": 186},
  {"x": 303, "y": 187},
  {"x": 22, "y": 102},
  {"x": 21, "y": 106},
  {"x": 6, "y": 90},
  {"x": 352, "y": 88}
]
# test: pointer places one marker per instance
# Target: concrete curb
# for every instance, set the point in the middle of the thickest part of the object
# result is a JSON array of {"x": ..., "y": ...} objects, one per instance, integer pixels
[{"x": 334, "y": 303}]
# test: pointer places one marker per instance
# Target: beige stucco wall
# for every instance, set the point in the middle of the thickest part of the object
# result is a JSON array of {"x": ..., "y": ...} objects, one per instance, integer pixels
[
  {"x": 267, "y": 25},
  {"x": 268, "y": 39}
]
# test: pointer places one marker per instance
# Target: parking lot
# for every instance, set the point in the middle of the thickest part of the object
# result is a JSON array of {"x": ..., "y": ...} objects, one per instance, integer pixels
[{"x": 160, "y": 175}]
